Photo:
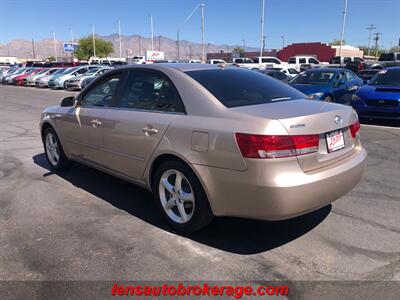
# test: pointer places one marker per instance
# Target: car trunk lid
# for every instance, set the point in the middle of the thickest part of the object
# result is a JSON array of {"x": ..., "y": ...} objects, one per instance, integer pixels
[{"x": 306, "y": 117}]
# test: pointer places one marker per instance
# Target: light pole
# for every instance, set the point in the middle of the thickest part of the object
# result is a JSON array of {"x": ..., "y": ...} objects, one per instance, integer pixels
[
  {"x": 283, "y": 41},
  {"x": 202, "y": 33},
  {"x": 244, "y": 45},
  {"x": 72, "y": 41},
  {"x": 120, "y": 39},
  {"x": 262, "y": 32},
  {"x": 33, "y": 46},
  {"x": 151, "y": 29},
  {"x": 55, "y": 45},
  {"x": 376, "y": 38},
  {"x": 159, "y": 43},
  {"x": 342, "y": 33},
  {"x": 370, "y": 28},
  {"x": 94, "y": 42}
]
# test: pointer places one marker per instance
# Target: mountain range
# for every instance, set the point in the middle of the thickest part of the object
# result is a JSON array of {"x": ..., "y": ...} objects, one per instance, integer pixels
[{"x": 131, "y": 44}]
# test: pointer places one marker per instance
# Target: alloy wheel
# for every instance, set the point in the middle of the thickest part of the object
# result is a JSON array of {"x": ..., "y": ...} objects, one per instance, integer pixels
[{"x": 176, "y": 196}]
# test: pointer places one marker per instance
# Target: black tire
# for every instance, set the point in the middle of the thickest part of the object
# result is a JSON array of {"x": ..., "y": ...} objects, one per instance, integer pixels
[
  {"x": 63, "y": 163},
  {"x": 328, "y": 99},
  {"x": 65, "y": 85},
  {"x": 202, "y": 214}
]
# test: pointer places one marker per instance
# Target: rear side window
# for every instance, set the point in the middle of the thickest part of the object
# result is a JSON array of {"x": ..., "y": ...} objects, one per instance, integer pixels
[
  {"x": 238, "y": 87},
  {"x": 292, "y": 60},
  {"x": 150, "y": 91}
]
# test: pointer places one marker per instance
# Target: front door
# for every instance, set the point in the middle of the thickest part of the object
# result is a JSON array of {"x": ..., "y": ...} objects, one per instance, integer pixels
[{"x": 82, "y": 126}]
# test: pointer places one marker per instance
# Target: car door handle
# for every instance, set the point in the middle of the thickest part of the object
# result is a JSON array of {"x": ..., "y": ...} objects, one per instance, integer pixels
[
  {"x": 95, "y": 123},
  {"x": 148, "y": 130},
  {"x": 353, "y": 88}
]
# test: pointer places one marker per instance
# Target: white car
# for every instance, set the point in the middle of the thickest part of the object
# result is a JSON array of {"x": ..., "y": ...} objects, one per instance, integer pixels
[
  {"x": 216, "y": 61},
  {"x": 287, "y": 70},
  {"x": 301, "y": 63},
  {"x": 258, "y": 63}
]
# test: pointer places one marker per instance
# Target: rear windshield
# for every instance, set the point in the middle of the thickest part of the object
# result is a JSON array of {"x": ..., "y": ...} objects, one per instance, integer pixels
[
  {"x": 313, "y": 78},
  {"x": 386, "y": 77},
  {"x": 238, "y": 87}
]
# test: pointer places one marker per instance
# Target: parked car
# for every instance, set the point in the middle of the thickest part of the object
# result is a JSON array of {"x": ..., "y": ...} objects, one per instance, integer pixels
[
  {"x": 59, "y": 81},
  {"x": 216, "y": 61},
  {"x": 8, "y": 79},
  {"x": 86, "y": 81},
  {"x": 31, "y": 80},
  {"x": 290, "y": 72},
  {"x": 258, "y": 63},
  {"x": 43, "y": 82},
  {"x": 380, "y": 98},
  {"x": 367, "y": 74},
  {"x": 6, "y": 72},
  {"x": 276, "y": 74},
  {"x": 385, "y": 60},
  {"x": 301, "y": 63},
  {"x": 75, "y": 83},
  {"x": 19, "y": 80},
  {"x": 328, "y": 84},
  {"x": 209, "y": 141}
]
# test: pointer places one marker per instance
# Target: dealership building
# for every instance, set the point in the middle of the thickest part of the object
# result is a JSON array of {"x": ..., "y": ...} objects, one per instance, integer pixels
[{"x": 323, "y": 52}]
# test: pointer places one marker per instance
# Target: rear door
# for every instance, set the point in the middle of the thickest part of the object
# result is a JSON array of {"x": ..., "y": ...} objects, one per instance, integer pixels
[{"x": 132, "y": 130}]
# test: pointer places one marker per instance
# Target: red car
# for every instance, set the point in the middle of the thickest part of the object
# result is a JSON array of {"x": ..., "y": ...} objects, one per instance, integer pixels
[{"x": 19, "y": 80}]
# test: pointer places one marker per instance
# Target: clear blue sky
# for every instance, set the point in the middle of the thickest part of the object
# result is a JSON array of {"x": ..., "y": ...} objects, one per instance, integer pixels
[{"x": 226, "y": 21}]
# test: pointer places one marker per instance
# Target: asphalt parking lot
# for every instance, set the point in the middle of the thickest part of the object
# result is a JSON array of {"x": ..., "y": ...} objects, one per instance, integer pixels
[{"x": 86, "y": 225}]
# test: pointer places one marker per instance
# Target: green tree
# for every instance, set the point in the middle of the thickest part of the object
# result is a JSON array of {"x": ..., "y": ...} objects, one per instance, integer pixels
[
  {"x": 238, "y": 50},
  {"x": 85, "y": 48},
  {"x": 51, "y": 58},
  {"x": 372, "y": 50},
  {"x": 336, "y": 42}
]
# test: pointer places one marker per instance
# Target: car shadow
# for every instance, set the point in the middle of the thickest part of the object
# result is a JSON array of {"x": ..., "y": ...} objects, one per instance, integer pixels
[{"x": 235, "y": 235}]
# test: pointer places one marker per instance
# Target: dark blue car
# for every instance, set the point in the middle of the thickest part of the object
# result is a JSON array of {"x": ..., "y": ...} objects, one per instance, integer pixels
[
  {"x": 380, "y": 98},
  {"x": 328, "y": 84}
]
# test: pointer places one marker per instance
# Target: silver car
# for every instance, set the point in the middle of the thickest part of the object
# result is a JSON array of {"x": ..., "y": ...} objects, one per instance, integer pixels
[
  {"x": 43, "y": 81},
  {"x": 75, "y": 83},
  {"x": 209, "y": 141}
]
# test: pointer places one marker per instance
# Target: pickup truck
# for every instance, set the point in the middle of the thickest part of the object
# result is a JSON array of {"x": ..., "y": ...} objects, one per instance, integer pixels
[
  {"x": 386, "y": 60},
  {"x": 258, "y": 63},
  {"x": 301, "y": 63}
]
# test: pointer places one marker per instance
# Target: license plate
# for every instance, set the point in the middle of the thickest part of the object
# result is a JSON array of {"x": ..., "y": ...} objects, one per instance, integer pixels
[{"x": 335, "y": 140}]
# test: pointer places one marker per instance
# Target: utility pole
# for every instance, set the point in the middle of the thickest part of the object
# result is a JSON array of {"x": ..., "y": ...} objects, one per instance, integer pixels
[
  {"x": 342, "y": 33},
  {"x": 202, "y": 33},
  {"x": 184, "y": 22},
  {"x": 370, "y": 28},
  {"x": 190, "y": 51},
  {"x": 55, "y": 45},
  {"x": 120, "y": 38},
  {"x": 33, "y": 47},
  {"x": 140, "y": 38},
  {"x": 94, "y": 42},
  {"x": 244, "y": 44},
  {"x": 376, "y": 38},
  {"x": 159, "y": 43},
  {"x": 262, "y": 31},
  {"x": 151, "y": 29}
]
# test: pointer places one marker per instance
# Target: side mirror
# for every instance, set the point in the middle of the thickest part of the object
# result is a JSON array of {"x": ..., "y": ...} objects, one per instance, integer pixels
[{"x": 68, "y": 102}]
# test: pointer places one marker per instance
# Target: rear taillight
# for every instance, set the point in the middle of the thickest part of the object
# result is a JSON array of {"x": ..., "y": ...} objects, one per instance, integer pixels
[
  {"x": 355, "y": 129},
  {"x": 276, "y": 146}
]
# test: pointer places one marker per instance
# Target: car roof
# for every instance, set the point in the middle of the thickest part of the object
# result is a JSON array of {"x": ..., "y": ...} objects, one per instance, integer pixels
[
  {"x": 184, "y": 67},
  {"x": 334, "y": 70}
]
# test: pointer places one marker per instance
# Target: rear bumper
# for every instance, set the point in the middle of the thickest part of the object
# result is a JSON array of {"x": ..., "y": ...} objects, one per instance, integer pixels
[{"x": 279, "y": 190}]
